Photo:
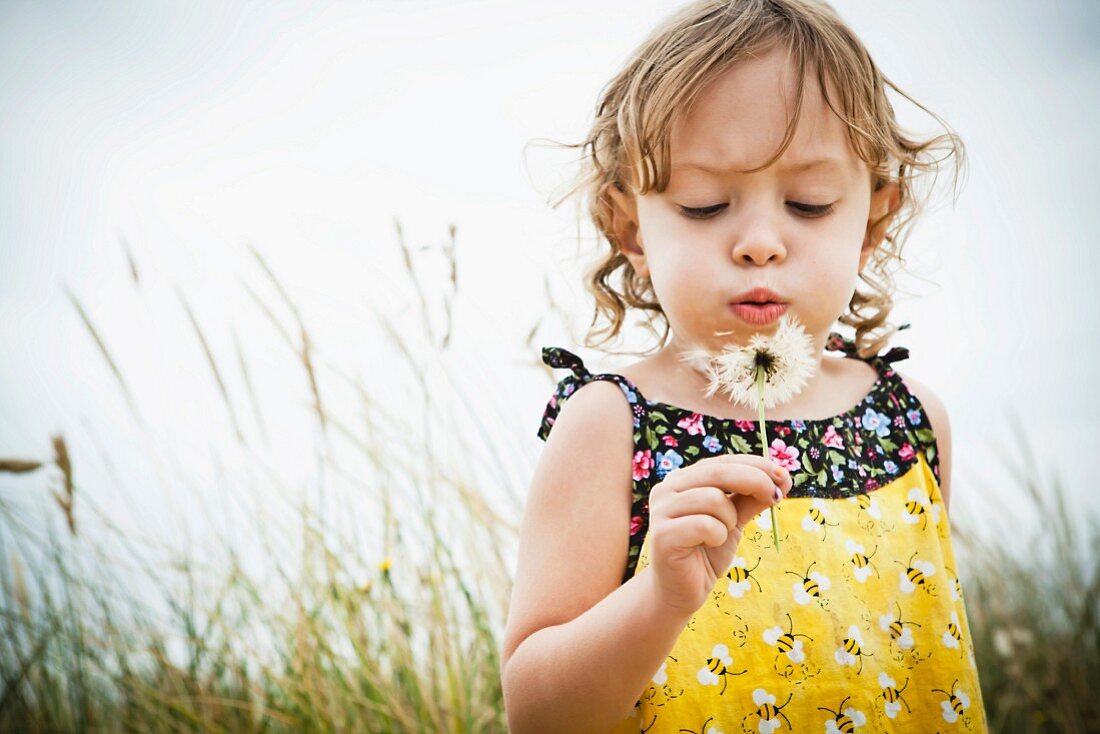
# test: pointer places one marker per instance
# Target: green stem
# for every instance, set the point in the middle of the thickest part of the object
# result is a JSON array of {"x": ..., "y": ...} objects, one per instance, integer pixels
[{"x": 764, "y": 442}]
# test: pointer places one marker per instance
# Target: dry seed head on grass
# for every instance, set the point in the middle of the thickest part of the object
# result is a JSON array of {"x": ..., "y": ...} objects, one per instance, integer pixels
[
  {"x": 65, "y": 501},
  {"x": 19, "y": 581},
  {"x": 18, "y": 466}
]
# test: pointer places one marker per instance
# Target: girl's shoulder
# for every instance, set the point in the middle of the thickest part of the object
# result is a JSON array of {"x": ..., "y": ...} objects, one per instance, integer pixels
[{"x": 579, "y": 376}]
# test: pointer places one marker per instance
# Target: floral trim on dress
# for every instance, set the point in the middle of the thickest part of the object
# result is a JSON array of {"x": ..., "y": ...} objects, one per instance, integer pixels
[{"x": 851, "y": 453}]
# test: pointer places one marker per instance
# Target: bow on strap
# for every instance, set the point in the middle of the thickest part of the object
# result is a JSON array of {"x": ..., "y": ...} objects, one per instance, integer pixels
[
  {"x": 838, "y": 343},
  {"x": 563, "y": 358}
]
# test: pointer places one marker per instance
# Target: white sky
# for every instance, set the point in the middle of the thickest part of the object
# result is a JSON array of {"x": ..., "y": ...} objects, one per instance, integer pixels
[{"x": 192, "y": 129}]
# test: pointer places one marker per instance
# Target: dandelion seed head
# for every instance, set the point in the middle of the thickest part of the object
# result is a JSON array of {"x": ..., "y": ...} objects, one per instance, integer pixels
[{"x": 785, "y": 356}]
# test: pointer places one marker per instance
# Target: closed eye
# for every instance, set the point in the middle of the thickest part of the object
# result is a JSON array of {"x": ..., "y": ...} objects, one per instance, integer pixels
[
  {"x": 701, "y": 212},
  {"x": 808, "y": 211}
]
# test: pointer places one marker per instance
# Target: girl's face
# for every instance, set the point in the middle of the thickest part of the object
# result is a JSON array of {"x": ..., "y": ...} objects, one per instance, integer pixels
[{"x": 801, "y": 227}]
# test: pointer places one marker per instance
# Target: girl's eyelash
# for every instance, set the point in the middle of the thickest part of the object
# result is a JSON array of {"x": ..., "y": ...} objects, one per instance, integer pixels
[
  {"x": 810, "y": 211},
  {"x": 700, "y": 212}
]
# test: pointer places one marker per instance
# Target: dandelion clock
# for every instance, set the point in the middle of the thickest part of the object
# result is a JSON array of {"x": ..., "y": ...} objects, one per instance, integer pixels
[{"x": 766, "y": 372}]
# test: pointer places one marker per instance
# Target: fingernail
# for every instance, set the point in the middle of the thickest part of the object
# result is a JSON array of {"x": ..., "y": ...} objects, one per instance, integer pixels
[{"x": 778, "y": 495}]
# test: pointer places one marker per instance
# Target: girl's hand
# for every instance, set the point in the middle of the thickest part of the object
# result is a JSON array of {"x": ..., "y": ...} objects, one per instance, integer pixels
[{"x": 695, "y": 523}]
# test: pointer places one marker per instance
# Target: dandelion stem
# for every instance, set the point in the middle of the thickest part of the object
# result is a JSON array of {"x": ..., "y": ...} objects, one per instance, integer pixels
[{"x": 764, "y": 441}]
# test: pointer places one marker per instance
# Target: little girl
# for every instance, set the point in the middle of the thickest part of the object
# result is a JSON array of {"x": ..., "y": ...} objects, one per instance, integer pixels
[{"x": 744, "y": 164}]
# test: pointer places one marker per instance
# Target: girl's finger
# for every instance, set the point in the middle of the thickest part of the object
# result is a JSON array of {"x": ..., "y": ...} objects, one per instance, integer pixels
[
  {"x": 748, "y": 507},
  {"x": 685, "y": 533},
  {"x": 779, "y": 474},
  {"x": 745, "y": 476},
  {"x": 702, "y": 501}
]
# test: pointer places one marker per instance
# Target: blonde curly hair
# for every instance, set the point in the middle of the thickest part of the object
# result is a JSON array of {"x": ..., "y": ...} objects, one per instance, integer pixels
[{"x": 628, "y": 143}]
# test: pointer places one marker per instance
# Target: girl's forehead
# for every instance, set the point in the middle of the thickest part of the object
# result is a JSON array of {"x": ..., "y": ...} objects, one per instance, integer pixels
[{"x": 738, "y": 120}]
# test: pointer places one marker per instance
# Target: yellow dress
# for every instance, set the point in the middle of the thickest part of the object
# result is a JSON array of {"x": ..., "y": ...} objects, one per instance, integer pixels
[{"x": 857, "y": 623}]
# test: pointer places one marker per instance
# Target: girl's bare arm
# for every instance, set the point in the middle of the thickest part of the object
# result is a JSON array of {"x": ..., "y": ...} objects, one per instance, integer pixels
[{"x": 580, "y": 648}]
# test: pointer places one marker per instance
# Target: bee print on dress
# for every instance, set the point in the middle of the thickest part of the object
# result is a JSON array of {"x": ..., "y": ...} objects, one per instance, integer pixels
[
  {"x": 861, "y": 565},
  {"x": 845, "y": 720},
  {"x": 851, "y": 650},
  {"x": 954, "y": 708},
  {"x": 717, "y": 668},
  {"x": 902, "y": 645},
  {"x": 810, "y": 585},
  {"x": 790, "y": 657},
  {"x": 916, "y": 575},
  {"x": 891, "y": 696},
  {"x": 741, "y": 578},
  {"x": 869, "y": 517},
  {"x": 919, "y": 508},
  {"x": 952, "y": 636},
  {"x": 816, "y": 519},
  {"x": 767, "y": 715}
]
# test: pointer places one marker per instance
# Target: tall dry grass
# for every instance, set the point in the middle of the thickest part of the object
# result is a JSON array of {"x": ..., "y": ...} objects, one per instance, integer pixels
[
  {"x": 329, "y": 637},
  {"x": 1032, "y": 585}
]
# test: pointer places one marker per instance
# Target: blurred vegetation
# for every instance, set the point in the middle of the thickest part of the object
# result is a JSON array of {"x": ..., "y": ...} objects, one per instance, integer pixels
[
  {"x": 331, "y": 638},
  {"x": 1032, "y": 589}
]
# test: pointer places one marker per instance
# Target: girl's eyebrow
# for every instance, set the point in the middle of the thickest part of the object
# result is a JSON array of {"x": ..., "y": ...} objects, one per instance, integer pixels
[{"x": 792, "y": 167}]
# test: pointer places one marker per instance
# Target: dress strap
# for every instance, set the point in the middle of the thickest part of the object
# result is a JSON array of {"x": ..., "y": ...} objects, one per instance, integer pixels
[
  {"x": 564, "y": 359},
  {"x": 918, "y": 430},
  {"x": 839, "y": 343},
  {"x": 558, "y": 357}
]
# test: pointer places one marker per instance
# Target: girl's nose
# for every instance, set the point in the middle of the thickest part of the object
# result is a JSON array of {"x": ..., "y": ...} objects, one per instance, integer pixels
[{"x": 757, "y": 243}]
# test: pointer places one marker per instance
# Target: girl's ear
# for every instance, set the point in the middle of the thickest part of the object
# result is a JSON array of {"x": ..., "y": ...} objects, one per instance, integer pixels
[
  {"x": 624, "y": 229},
  {"x": 884, "y": 205}
]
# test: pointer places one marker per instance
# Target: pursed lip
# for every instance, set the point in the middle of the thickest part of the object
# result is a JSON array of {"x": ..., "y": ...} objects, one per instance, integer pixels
[
  {"x": 758, "y": 295},
  {"x": 758, "y": 314}
]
